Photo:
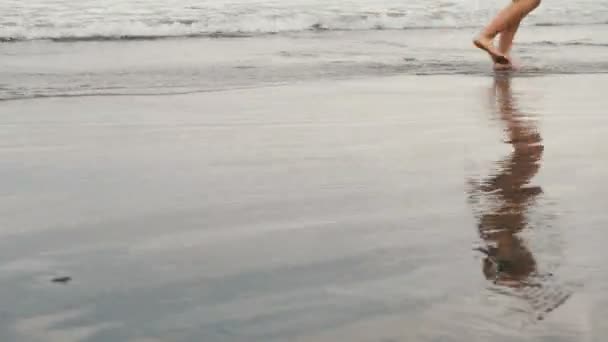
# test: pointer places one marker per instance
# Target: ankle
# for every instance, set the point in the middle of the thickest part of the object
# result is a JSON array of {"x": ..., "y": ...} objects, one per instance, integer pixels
[{"x": 485, "y": 37}]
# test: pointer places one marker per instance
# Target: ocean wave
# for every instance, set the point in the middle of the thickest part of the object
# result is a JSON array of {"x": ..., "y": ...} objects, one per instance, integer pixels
[
  {"x": 565, "y": 43},
  {"x": 156, "y": 33},
  {"x": 245, "y": 22},
  {"x": 215, "y": 23},
  {"x": 570, "y": 23}
]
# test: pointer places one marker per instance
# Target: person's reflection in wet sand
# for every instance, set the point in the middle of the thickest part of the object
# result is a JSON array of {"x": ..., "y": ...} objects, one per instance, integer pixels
[{"x": 507, "y": 261}]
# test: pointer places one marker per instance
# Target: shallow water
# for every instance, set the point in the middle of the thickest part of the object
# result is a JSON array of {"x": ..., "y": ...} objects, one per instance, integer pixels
[
  {"x": 75, "y": 48},
  {"x": 46, "y": 69}
]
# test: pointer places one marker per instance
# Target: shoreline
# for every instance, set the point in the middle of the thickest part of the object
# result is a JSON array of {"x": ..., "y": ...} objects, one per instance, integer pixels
[{"x": 190, "y": 65}]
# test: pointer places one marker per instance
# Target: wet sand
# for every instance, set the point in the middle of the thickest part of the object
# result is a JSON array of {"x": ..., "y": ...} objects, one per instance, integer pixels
[{"x": 437, "y": 208}]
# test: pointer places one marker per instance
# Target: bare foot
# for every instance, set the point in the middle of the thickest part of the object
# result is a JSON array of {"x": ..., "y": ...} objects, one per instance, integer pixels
[
  {"x": 503, "y": 67},
  {"x": 487, "y": 45}
]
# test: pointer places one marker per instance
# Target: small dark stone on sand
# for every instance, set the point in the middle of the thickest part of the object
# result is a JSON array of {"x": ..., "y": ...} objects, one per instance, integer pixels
[{"x": 62, "y": 280}]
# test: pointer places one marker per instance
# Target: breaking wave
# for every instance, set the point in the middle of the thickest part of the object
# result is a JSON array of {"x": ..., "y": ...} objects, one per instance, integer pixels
[{"x": 88, "y": 20}]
